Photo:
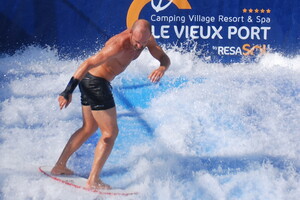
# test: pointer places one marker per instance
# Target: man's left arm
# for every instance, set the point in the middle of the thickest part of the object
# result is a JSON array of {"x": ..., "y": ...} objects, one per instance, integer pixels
[{"x": 157, "y": 52}]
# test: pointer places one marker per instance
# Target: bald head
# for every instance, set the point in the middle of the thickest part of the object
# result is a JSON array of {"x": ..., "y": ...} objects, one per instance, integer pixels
[
  {"x": 140, "y": 34},
  {"x": 141, "y": 25}
]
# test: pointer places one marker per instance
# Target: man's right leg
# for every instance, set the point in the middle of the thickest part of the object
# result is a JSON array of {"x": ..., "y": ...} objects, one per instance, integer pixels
[{"x": 76, "y": 140}]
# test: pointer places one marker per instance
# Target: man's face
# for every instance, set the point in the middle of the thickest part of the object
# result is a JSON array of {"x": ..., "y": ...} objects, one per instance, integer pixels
[{"x": 139, "y": 40}]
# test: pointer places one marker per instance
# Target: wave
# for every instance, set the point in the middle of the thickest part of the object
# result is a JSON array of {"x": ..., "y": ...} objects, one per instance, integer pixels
[{"x": 206, "y": 131}]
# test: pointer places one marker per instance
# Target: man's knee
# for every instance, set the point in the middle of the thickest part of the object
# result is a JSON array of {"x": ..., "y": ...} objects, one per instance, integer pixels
[{"x": 110, "y": 137}]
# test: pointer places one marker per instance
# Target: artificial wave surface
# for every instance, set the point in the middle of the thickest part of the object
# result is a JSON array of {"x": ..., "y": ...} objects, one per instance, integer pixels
[{"x": 206, "y": 131}]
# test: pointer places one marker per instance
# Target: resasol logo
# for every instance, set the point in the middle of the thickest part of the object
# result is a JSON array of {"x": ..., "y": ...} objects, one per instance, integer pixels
[
  {"x": 137, "y": 6},
  {"x": 245, "y": 50}
]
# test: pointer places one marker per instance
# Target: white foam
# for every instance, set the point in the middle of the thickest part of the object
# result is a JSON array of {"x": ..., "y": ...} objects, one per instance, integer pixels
[{"x": 228, "y": 132}]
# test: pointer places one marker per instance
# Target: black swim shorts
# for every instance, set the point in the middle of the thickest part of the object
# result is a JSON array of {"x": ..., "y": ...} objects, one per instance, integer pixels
[{"x": 96, "y": 92}]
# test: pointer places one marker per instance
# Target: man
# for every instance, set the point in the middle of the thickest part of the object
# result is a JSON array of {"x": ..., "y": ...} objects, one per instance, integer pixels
[{"x": 98, "y": 106}]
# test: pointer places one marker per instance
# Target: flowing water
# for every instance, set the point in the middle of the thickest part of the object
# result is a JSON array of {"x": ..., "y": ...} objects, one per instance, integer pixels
[{"x": 206, "y": 131}]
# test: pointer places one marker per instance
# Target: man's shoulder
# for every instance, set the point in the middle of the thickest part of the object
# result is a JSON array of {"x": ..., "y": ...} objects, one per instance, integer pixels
[
  {"x": 120, "y": 39},
  {"x": 123, "y": 35},
  {"x": 152, "y": 41}
]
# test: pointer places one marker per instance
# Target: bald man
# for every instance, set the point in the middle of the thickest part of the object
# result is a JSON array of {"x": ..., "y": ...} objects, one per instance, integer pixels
[{"x": 98, "y": 107}]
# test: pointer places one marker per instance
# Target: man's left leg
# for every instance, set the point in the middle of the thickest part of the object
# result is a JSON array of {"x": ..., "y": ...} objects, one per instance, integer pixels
[{"x": 107, "y": 122}]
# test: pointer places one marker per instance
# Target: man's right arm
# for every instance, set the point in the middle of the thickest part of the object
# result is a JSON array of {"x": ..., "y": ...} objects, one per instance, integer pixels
[{"x": 106, "y": 53}]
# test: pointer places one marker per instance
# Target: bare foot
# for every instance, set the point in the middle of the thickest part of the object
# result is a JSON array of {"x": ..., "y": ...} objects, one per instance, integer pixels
[
  {"x": 61, "y": 170},
  {"x": 98, "y": 185}
]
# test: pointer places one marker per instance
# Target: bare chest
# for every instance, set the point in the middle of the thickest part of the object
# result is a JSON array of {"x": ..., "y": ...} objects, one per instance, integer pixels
[
  {"x": 126, "y": 58},
  {"x": 117, "y": 65}
]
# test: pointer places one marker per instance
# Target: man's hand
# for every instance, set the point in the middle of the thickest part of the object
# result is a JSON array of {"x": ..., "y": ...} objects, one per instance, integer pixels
[
  {"x": 156, "y": 75},
  {"x": 64, "y": 102}
]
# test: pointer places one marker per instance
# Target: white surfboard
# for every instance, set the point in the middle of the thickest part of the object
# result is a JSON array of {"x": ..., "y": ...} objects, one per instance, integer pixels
[{"x": 80, "y": 183}]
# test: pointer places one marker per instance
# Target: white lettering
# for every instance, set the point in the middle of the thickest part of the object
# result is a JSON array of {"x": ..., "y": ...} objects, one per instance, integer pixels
[
  {"x": 246, "y": 36},
  {"x": 186, "y": 31},
  {"x": 194, "y": 32},
  {"x": 154, "y": 33},
  {"x": 217, "y": 32},
  {"x": 170, "y": 18},
  {"x": 164, "y": 30},
  {"x": 223, "y": 18},
  {"x": 229, "y": 50},
  {"x": 265, "y": 29},
  {"x": 200, "y": 18},
  {"x": 255, "y": 32},
  {"x": 245, "y": 32},
  {"x": 178, "y": 33},
  {"x": 263, "y": 20},
  {"x": 202, "y": 32},
  {"x": 232, "y": 30}
]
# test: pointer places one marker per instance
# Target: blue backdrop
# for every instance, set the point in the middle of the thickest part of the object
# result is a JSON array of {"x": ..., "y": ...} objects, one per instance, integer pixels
[{"x": 218, "y": 30}]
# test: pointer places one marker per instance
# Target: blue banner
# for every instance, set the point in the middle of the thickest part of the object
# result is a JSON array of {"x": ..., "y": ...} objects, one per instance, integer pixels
[{"x": 214, "y": 29}]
